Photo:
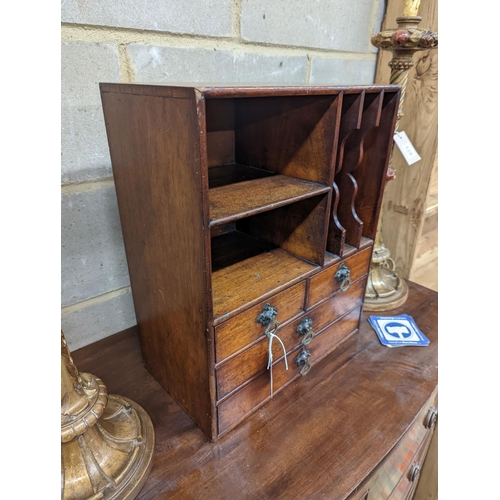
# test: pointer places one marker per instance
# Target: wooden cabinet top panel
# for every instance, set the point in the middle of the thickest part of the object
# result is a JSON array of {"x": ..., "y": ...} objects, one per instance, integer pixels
[
  {"x": 318, "y": 439},
  {"x": 218, "y": 90}
]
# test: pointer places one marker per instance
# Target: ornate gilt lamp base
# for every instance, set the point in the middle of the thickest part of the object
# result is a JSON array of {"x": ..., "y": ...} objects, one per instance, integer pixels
[
  {"x": 107, "y": 441},
  {"x": 384, "y": 290}
]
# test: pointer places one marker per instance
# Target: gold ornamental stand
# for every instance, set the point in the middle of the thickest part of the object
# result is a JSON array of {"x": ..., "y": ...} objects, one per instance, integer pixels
[
  {"x": 385, "y": 290},
  {"x": 107, "y": 442}
]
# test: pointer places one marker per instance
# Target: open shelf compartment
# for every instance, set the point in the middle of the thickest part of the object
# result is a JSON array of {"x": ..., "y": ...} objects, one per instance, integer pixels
[
  {"x": 257, "y": 256},
  {"x": 263, "y": 192},
  {"x": 285, "y": 135},
  {"x": 365, "y": 141}
]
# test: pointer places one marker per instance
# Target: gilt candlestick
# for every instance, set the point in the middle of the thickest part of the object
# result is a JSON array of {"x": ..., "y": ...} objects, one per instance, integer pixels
[
  {"x": 385, "y": 289},
  {"x": 107, "y": 441}
]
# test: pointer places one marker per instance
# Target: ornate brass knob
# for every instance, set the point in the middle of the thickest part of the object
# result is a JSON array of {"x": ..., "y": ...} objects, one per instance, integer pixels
[
  {"x": 305, "y": 329},
  {"x": 431, "y": 417},
  {"x": 268, "y": 315},
  {"x": 343, "y": 276},
  {"x": 303, "y": 360},
  {"x": 414, "y": 472}
]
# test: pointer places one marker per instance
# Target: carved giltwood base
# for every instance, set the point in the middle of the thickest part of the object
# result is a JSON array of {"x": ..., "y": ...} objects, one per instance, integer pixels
[
  {"x": 107, "y": 441},
  {"x": 385, "y": 290}
]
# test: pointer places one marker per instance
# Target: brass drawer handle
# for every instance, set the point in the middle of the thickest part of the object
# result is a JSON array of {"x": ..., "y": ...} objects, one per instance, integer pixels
[
  {"x": 343, "y": 276},
  {"x": 268, "y": 315},
  {"x": 303, "y": 360},
  {"x": 305, "y": 329},
  {"x": 414, "y": 472},
  {"x": 268, "y": 319},
  {"x": 431, "y": 417}
]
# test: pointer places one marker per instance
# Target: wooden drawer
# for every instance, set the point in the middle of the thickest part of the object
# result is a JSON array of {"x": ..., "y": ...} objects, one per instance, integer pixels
[
  {"x": 321, "y": 345},
  {"x": 393, "y": 477},
  {"x": 242, "y": 367},
  {"x": 243, "y": 329},
  {"x": 408, "y": 483},
  {"x": 247, "y": 399},
  {"x": 324, "y": 283},
  {"x": 320, "y": 317},
  {"x": 254, "y": 393}
]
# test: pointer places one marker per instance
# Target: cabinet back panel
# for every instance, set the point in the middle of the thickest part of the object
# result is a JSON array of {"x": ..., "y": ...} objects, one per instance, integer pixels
[
  {"x": 220, "y": 131},
  {"x": 159, "y": 185},
  {"x": 288, "y": 135},
  {"x": 299, "y": 228}
]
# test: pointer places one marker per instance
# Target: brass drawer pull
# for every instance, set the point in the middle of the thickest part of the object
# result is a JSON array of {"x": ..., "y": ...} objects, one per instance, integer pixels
[
  {"x": 268, "y": 315},
  {"x": 343, "y": 276},
  {"x": 303, "y": 360},
  {"x": 414, "y": 472},
  {"x": 431, "y": 417},
  {"x": 305, "y": 329},
  {"x": 268, "y": 319}
]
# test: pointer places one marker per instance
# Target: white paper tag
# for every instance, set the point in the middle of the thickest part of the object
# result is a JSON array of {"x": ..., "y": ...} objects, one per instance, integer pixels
[{"x": 406, "y": 147}]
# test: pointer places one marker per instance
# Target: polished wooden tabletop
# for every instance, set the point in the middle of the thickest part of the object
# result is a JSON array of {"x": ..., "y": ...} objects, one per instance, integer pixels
[{"x": 318, "y": 438}]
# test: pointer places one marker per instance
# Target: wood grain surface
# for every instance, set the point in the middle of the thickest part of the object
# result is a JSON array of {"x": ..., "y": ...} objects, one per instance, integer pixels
[
  {"x": 243, "y": 284},
  {"x": 299, "y": 228},
  {"x": 169, "y": 300},
  {"x": 224, "y": 203},
  {"x": 324, "y": 283},
  {"x": 243, "y": 329},
  {"x": 320, "y": 438},
  {"x": 293, "y": 136},
  {"x": 235, "y": 201}
]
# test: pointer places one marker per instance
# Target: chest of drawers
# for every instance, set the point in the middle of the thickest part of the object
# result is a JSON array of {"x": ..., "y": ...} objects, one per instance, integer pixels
[{"x": 248, "y": 217}]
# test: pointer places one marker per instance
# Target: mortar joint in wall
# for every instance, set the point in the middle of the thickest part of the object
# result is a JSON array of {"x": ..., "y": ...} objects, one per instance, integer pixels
[
  {"x": 126, "y": 67},
  {"x": 308, "y": 68},
  {"x": 236, "y": 31}
]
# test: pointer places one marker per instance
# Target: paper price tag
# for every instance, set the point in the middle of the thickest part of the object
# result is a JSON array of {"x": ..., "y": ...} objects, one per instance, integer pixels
[{"x": 406, "y": 147}]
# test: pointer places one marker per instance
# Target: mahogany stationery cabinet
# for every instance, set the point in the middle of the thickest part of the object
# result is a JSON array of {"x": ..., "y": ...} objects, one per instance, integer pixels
[{"x": 248, "y": 216}]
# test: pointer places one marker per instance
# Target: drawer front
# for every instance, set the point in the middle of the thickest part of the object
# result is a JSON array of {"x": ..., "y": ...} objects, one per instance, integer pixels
[
  {"x": 408, "y": 484},
  {"x": 317, "y": 319},
  {"x": 253, "y": 394},
  {"x": 242, "y": 367},
  {"x": 235, "y": 408},
  {"x": 323, "y": 284},
  {"x": 321, "y": 345},
  {"x": 243, "y": 329},
  {"x": 393, "y": 478}
]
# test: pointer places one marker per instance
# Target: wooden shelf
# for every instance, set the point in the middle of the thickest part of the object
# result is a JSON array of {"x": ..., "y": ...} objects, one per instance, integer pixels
[
  {"x": 239, "y": 286},
  {"x": 231, "y": 202}
]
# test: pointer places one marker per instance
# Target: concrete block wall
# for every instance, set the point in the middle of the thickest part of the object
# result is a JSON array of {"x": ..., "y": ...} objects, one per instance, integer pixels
[{"x": 232, "y": 41}]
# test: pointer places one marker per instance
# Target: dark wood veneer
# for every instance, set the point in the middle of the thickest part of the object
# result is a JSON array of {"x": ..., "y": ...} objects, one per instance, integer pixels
[
  {"x": 330, "y": 434},
  {"x": 228, "y": 203}
]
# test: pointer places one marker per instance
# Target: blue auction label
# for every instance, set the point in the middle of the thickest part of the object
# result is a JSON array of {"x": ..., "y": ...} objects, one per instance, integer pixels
[{"x": 396, "y": 331}]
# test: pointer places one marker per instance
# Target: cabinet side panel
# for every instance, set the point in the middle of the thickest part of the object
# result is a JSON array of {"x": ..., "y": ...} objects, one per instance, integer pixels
[{"x": 154, "y": 146}]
